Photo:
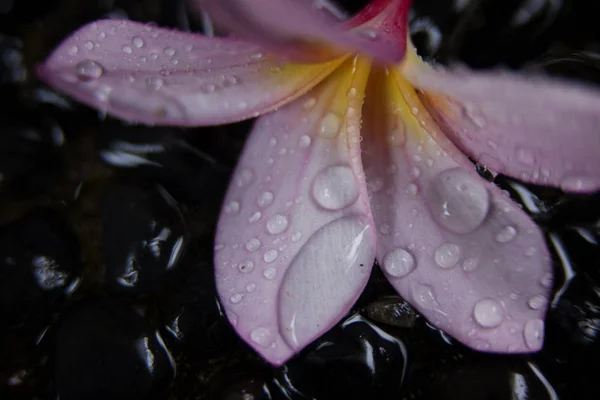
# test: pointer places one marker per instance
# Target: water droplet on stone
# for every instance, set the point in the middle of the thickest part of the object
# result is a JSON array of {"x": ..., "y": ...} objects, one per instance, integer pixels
[
  {"x": 269, "y": 273},
  {"x": 330, "y": 125},
  {"x": 335, "y": 187},
  {"x": 236, "y": 298},
  {"x": 458, "y": 201},
  {"x": 89, "y": 70},
  {"x": 233, "y": 207},
  {"x": 398, "y": 263},
  {"x": 246, "y": 267},
  {"x": 277, "y": 224},
  {"x": 506, "y": 234},
  {"x": 536, "y": 302},
  {"x": 270, "y": 256},
  {"x": 252, "y": 244},
  {"x": 304, "y": 141},
  {"x": 534, "y": 333},
  {"x": 261, "y": 336},
  {"x": 255, "y": 217},
  {"x": 488, "y": 313},
  {"x": 447, "y": 255}
]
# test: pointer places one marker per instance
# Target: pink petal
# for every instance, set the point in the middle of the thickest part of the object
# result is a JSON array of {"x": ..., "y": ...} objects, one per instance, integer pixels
[
  {"x": 535, "y": 129},
  {"x": 462, "y": 253},
  {"x": 290, "y": 26},
  {"x": 158, "y": 76},
  {"x": 295, "y": 241}
]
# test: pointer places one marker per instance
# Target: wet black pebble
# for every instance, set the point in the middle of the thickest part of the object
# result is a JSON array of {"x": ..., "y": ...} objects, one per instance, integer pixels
[
  {"x": 144, "y": 237},
  {"x": 106, "y": 350}
]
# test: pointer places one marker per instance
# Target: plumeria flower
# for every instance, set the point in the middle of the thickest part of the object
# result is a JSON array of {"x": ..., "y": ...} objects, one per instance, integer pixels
[{"x": 361, "y": 154}]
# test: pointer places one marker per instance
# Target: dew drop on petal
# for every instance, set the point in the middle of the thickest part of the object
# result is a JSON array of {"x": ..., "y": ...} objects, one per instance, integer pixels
[
  {"x": 398, "y": 263},
  {"x": 335, "y": 188},
  {"x": 536, "y": 302},
  {"x": 137, "y": 42},
  {"x": 447, "y": 255},
  {"x": 246, "y": 267},
  {"x": 255, "y": 217},
  {"x": 233, "y": 207},
  {"x": 488, "y": 313},
  {"x": 304, "y": 141},
  {"x": 506, "y": 234},
  {"x": 261, "y": 336},
  {"x": 330, "y": 125},
  {"x": 277, "y": 224},
  {"x": 470, "y": 264},
  {"x": 270, "y": 256},
  {"x": 127, "y": 49},
  {"x": 89, "y": 70},
  {"x": 269, "y": 273},
  {"x": 236, "y": 298},
  {"x": 458, "y": 201},
  {"x": 534, "y": 333},
  {"x": 252, "y": 244},
  {"x": 265, "y": 199}
]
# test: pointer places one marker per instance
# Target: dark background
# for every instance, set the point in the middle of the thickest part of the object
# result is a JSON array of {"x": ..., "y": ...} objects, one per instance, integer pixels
[{"x": 94, "y": 306}]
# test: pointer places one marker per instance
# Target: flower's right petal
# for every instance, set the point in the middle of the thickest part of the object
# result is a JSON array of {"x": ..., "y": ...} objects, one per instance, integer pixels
[
  {"x": 295, "y": 241},
  {"x": 298, "y": 28},
  {"x": 159, "y": 76}
]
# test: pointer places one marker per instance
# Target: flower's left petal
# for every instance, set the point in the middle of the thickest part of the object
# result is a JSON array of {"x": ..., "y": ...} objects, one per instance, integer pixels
[
  {"x": 295, "y": 240},
  {"x": 452, "y": 244},
  {"x": 542, "y": 131},
  {"x": 159, "y": 76},
  {"x": 297, "y": 28}
]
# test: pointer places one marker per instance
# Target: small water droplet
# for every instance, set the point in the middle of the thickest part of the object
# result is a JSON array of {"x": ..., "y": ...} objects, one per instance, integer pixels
[
  {"x": 256, "y": 56},
  {"x": 377, "y": 184},
  {"x": 335, "y": 188},
  {"x": 534, "y": 333},
  {"x": 398, "y": 263},
  {"x": 89, "y": 70},
  {"x": 447, "y": 255},
  {"x": 488, "y": 313},
  {"x": 244, "y": 178},
  {"x": 270, "y": 256},
  {"x": 579, "y": 184},
  {"x": 296, "y": 236},
  {"x": 154, "y": 83},
  {"x": 370, "y": 34},
  {"x": 411, "y": 189},
  {"x": 309, "y": 103},
  {"x": 233, "y": 207},
  {"x": 236, "y": 298},
  {"x": 89, "y": 45},
  {"x": 253, "y": 244},
  {"x": 246, "y": 267},
  {"x": 269, "y": 273},
  {"x": 73, "y": 50},
  {"x": 265, "y": 199},
  {"x": 525, "y": 156},
  {"x": 546, "y": 280},
  {"x": 458, "y": 201},
  {"x": 261, "y": 336},
  {"x": 137, "y": 42},
  {"x": 127, "y": 49},
  {"x": 536, "y": 302},
  {"x": 169, "y": 51},
  {"x": 277, "y": 224},
  {"x": 506, "y": 234},
  {"x": 530, "y": 251},
  {"x": 255, "y": 217},
  {"x": 470, "y": 264},
  {"x": 251, "y": 287},
  {"x": 330, "y": 125},
  {"x": 304, "y": 141}
]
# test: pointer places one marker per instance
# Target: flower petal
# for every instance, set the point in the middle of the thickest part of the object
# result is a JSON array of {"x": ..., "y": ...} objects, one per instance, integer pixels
[
  {"x": 295, "y": 241},
  {"x": 159, "y": 76},
  {"x": 538, "y": 130},
  {"x": 467, "y": 257},
  {"x": 291, "y": 27}
]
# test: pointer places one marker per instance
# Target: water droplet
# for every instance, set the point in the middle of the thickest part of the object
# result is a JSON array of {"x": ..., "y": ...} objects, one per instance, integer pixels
[
  {"x": 397, "y": 137},
  {"x": 415, "y": 172},
  {"x": 233, "y": 207},
  {"x": 252, "y": 244},
  {"x": 335, "y": 187},
  {"x": 269, "y": 273},
  {"x": 398, "y": 263},
  {"x": 244, "y": 178},
  {"x": 169, "y": 51},
  {"x": 257, "y": 56},
  {"x": 310, "y": 103},
  {"x": 137, "y": 42},
  {"x": 377, "y": 184},
  {"x": 579, "y": 184},
  {"x": 296, "y": 236},
  {"x": 536, "y": 302},
  {"x": 73, "y": 50},
  {"x": 370, "y": 34},
  {"x": 236, "y": 298},
  {"x": 411, "y": 189},
  {"x": 506, "y": 234},
  {"x": 246, "y": 267},
  {"x": 89, "y": 70},
  {"x": 127, "y": 49},
  {"x": 277, "y": 224},
  {"x": 265, "y": 199},
  {"x": 154, "y": 83},
  {"x": 525, "y": 156},
  {"x": 330, "y": 125},
  {"x": 89, "y": 45},
  {"x": 458, "y": 201},
  {"x": 261, "y": 336},
  {"x": 251, "y": 287},
  {"x": 270, "y": 256},
  {"x": 488, "y": 313},
  {"x": 255, "y": 217},
  {"x": 470, "y": 264},
  {"x": 447, "y": 255},
  {"x": 546, "y": 280},
  {"x": 304, "y": 141},
  {"x": 534, "y": 333}
]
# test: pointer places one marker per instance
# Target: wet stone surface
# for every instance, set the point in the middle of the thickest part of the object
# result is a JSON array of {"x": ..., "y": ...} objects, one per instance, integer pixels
[{"x": 106, "y": 237}]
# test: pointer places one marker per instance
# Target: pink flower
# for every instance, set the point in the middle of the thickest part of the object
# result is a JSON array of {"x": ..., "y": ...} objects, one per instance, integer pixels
[{"x": 361, "y": 154}]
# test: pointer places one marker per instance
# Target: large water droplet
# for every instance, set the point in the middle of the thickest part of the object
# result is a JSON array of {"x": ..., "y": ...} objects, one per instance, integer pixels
[
  {"x": 506, "y": 234},
  {"x": 277, "y": 224},
  {"x": 89, "y": 70},
  {"x": 335, "y": 187},
  {"x": 261, "y": 336},
  {"x": 458, "y": 201},
  {"x": 447, "y": 255},
  {"x": 534, "y": 333},
  {"x": 330, "y": 269},
  {"x": 398, "y": 263},
  {"x": 488, "y": 313}
]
